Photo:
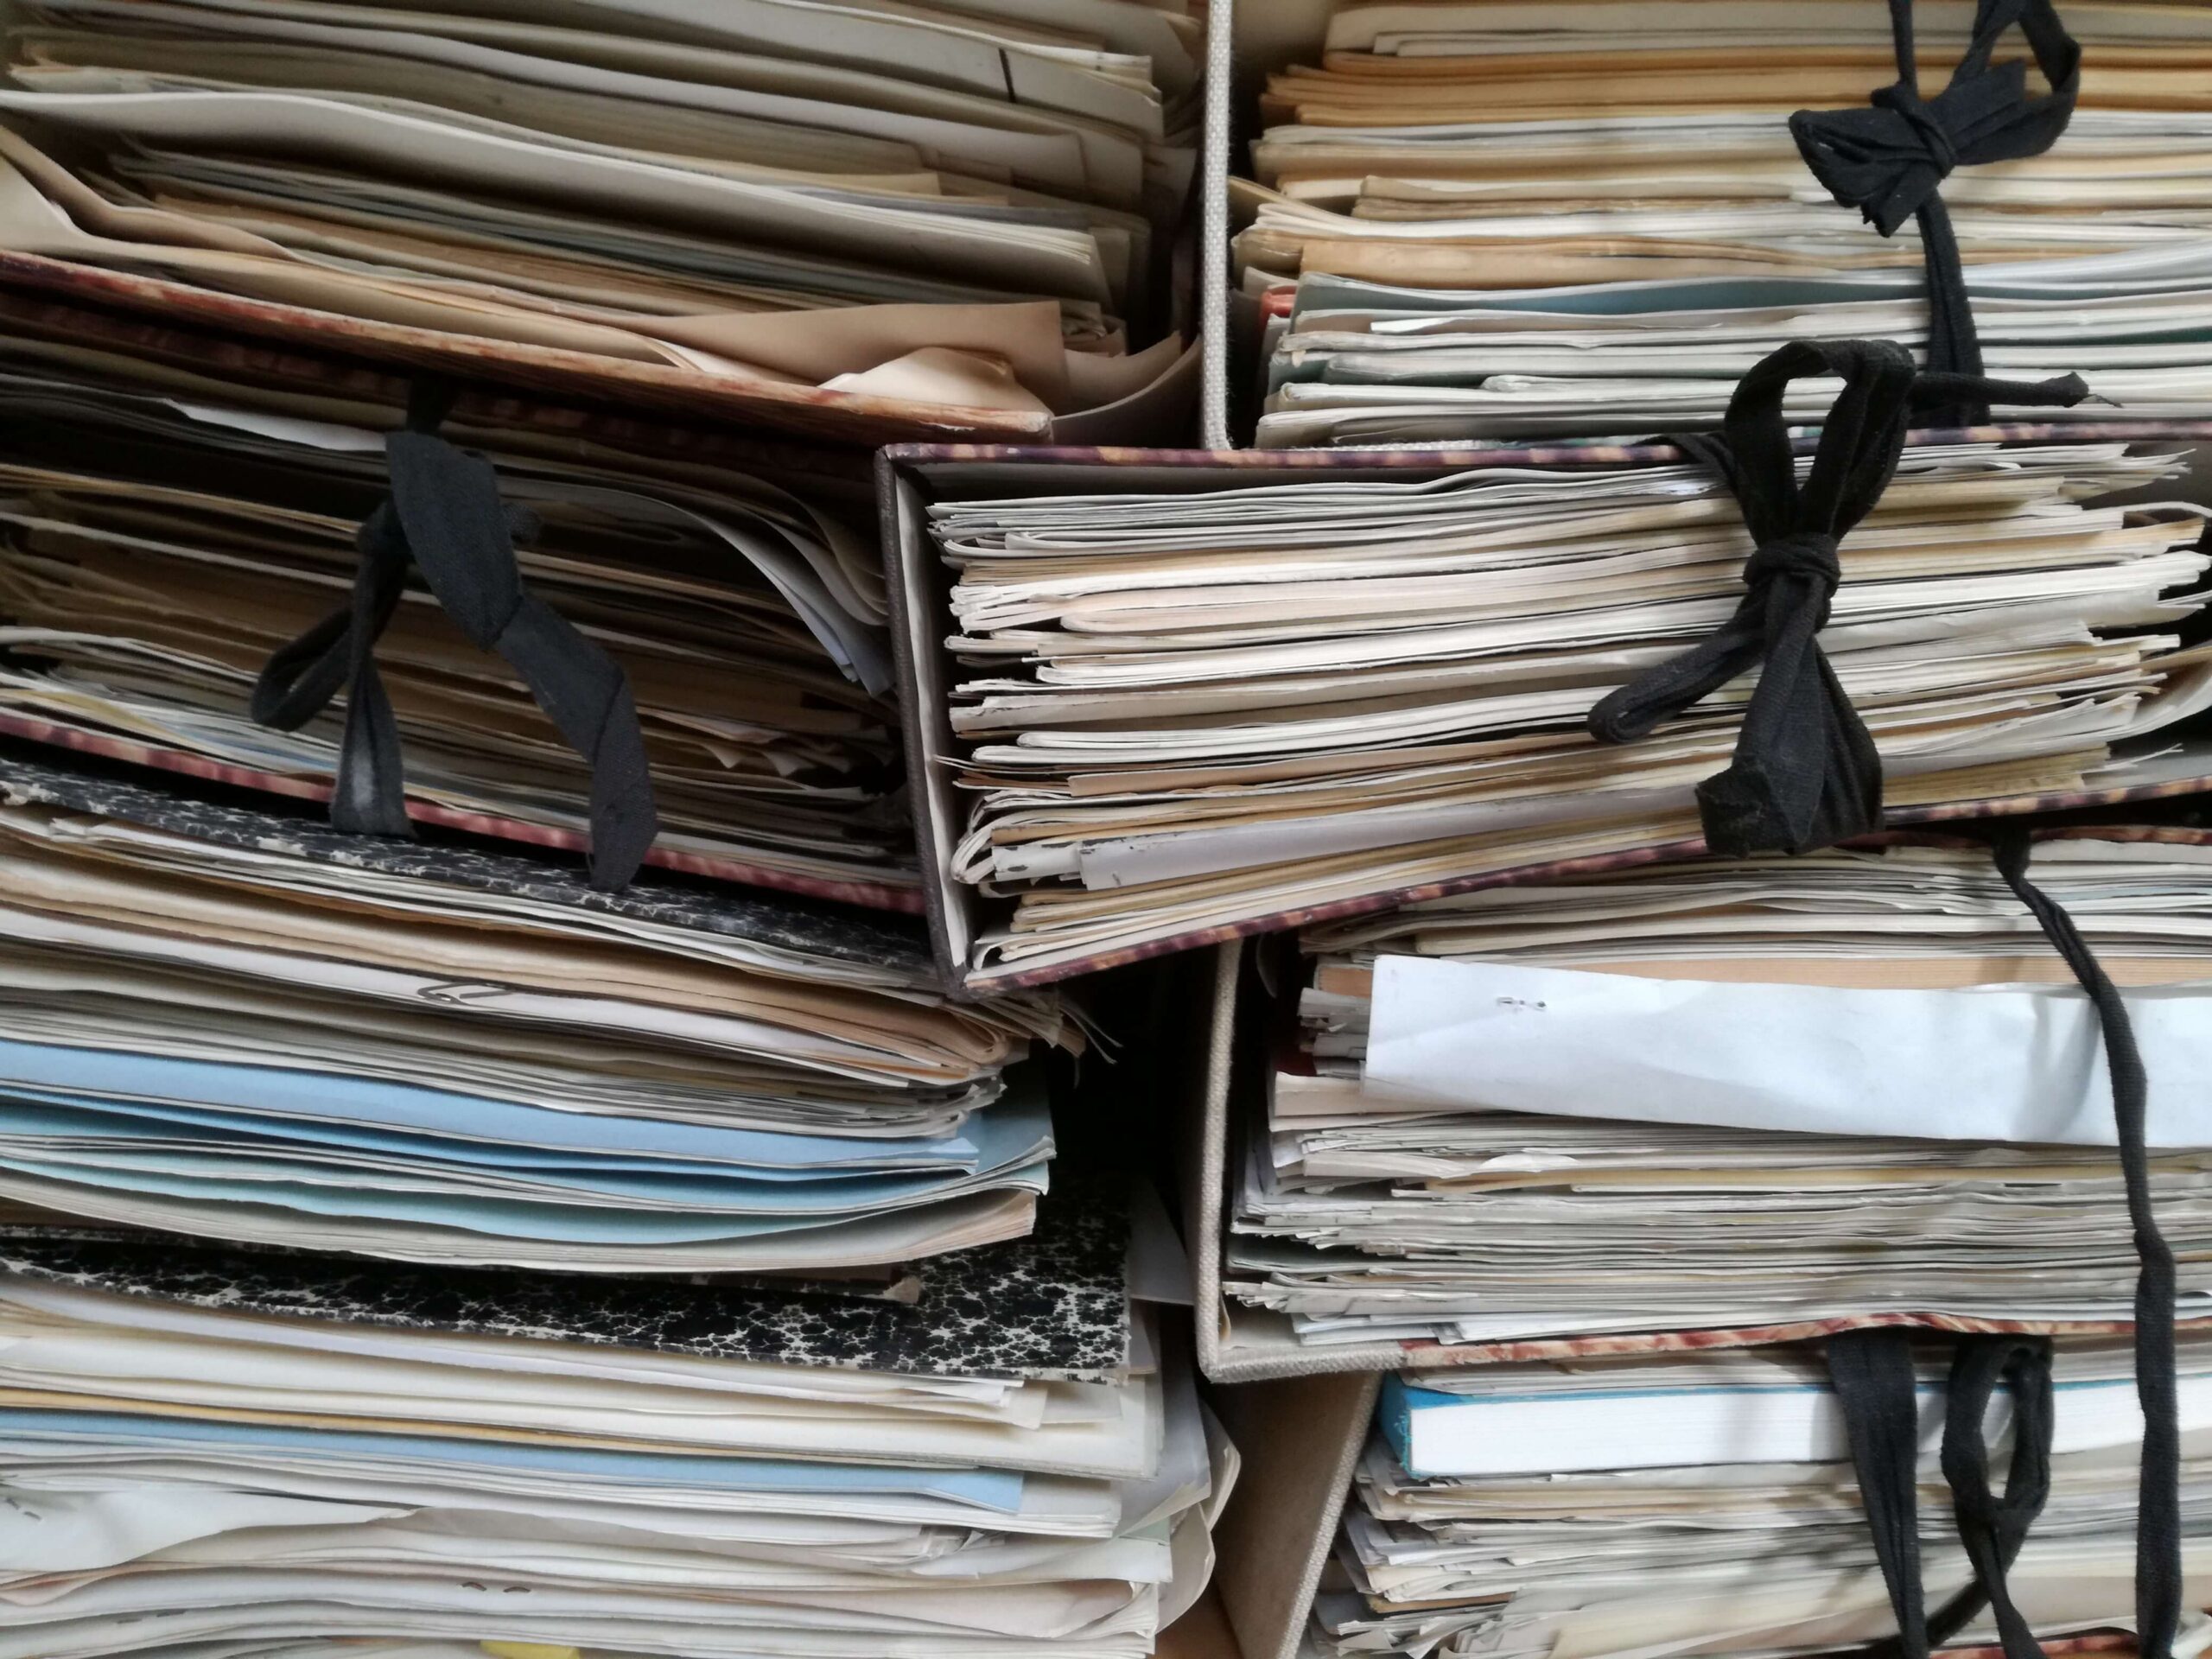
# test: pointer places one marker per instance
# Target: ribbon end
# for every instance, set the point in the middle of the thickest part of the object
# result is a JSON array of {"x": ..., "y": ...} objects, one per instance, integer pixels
[
  {"x": 625, "y": 818},
  {"x": 1612, "y": 719},
  {"x": 619, "y": 842},
  {"x": 1744, "y": 812},
  {"x": 370, "y": 817}
]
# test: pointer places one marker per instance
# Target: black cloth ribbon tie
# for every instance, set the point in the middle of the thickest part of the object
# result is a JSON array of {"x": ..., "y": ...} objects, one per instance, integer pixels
[
  {"x": 1805, "y": 774},
  {"x": 444, "y": 517},
  {"x": 1873, "y": 1378},
  {"x": 1934, "y": 139},
  {"x": 1875, "y": 1384},
  {"x": 1889, "y": 159},
  {"x": 1801, "y": 555},
  {"x": 2158, "y": 1526}
]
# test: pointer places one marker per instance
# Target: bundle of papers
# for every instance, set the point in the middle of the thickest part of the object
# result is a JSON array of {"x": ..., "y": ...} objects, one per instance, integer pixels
[
  {"x": 1509, "y": 219},
  {"x": 223, "y": 1449},
  {"x": 1733, "y": 1096},
  {"x": 1609, "y": 1506},
  {"x": 1187, "y": 711},
  {"x": 960, "y": 213},
  {"x": 243, "y": 1027},
  {"x": 161, "y": 537}
]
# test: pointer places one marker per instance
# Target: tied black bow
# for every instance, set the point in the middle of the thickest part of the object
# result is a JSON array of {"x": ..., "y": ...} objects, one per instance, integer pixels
[
  {"x": 1887, "y": 161},
  {"x": 444, "y": 515},
  {"x": 1805, "y": 772}
]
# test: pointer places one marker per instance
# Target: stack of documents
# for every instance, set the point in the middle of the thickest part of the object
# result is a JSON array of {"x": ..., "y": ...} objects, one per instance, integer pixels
[
  {"x": 946, "y": 209},
  {"x": 251, "y": 1028},
  {"x": 1509, "y": 219},
  {"x": 1602, "y": 1507},
  {"x": 1754, "y": 1096},
  {"x": 214, "y": 1449},
  {"x": 1188, "y": 710},
  {"x": 160, "y": 537}
]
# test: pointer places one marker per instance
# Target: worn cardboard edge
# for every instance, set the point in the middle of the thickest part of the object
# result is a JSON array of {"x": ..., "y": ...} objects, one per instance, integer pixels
[
  {"x": 1204, "y": 1162},
  {"x": 1301, "y": 1439},
  {"x": 914, "y": 581},
  {"x": 1213, "y": 224},
  {"x": 1520, "y": 874},
  {"x": 1250, "y": 1346}
]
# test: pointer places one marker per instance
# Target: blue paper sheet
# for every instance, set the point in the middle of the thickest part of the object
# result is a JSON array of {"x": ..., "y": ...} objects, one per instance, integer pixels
[
  {"x": 103, "y": 1158},
  {"x": 1011, "y": 1133},
  {"x": 991, "y": 1489},
  {"x": 492, "y": 1217},
  {"x": 324, "y": 1097}
]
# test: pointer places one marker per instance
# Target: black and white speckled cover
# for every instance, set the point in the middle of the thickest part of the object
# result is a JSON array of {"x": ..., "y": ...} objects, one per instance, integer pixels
[
  {"x": 815, "y": 928},
  {"x": 1052, "y": 1305}
]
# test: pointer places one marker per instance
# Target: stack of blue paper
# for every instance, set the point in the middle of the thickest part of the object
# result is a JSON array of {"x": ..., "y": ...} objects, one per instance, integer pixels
[{"x": 249, "y": 1028}]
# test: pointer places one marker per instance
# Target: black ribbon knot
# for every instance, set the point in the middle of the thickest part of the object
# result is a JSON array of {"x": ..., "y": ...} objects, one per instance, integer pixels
[
  {"x": 1805, "y": 772},
  {"x": 444, "y": 517},
  {"x": 1888, "y": 160}
]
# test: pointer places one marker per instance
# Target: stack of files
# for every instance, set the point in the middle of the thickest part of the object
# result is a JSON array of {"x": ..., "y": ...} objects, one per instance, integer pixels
[
  {"x": 251, "y": 1027},
  {"x": 163, "y": 531},
  {"x": 1509, "y": 219},
  {"x": 1765, "y": 1183},
  {"x": 947, "y": 214},
  {"x": 1176, "y": 713},
  {"x": 254, "y": 1454},
  {"x": 1608, "y": 1506}
]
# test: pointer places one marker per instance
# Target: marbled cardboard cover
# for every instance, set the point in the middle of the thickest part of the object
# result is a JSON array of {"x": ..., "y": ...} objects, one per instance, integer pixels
[
  {"x": 1432, "y": 1356},
  {"x": 808, "y": 927},
  {"x": 841, "y": 417},
  {"x": 1444, "y": 457},
  {"x": 134, "y": 752},
  {"x": 215, "y": 357},
  {"x": 1054, "y": 1304}
]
